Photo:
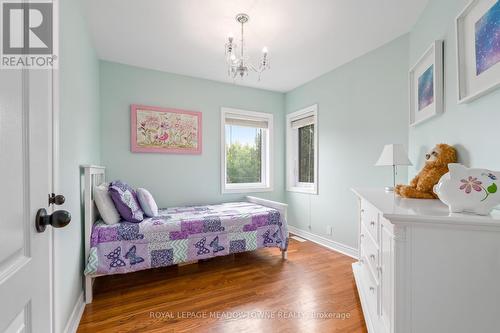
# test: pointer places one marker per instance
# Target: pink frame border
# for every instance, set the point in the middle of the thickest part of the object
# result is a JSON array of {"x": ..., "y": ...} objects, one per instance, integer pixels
[{"x": 133, "y": 135}]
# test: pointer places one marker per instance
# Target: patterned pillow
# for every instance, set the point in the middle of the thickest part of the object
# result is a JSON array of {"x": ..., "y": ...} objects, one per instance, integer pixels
[
  {"x": 125, "y": 201},
  {"x": 147, "y": 202}
]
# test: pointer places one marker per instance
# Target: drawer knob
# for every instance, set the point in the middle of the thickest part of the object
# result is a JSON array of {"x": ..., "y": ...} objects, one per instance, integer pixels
[
  {"x": 372, "y": 257},
  {"x": 362, "y": 235},
  {"x": 362, "y": 211},
  {"x": 372, "y": 223},
  {"x": 372, "y": 289}
]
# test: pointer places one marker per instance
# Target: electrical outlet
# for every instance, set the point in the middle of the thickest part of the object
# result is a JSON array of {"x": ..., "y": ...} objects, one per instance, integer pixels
[{"x": 329, "y": 230}]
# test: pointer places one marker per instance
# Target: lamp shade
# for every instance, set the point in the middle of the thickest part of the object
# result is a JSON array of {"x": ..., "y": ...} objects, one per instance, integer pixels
[{"x": 393, "y": 154}]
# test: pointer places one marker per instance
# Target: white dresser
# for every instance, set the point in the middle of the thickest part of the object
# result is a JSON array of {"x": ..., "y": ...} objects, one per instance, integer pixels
[{"x": 422, "y": 270}]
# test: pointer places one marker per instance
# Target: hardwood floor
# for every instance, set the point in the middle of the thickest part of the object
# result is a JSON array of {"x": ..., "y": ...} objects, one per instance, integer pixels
[{"x": 249, "y": 292}]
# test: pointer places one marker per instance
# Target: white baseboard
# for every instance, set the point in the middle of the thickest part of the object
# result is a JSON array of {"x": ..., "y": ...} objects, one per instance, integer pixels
[
  {"x": 76, "y": 315},
  {"x": 328, "y": 243}
]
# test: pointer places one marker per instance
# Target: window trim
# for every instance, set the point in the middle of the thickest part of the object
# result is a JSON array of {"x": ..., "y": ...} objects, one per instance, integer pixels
[
  {"x": 292, "y": 183},
  {"x": 267, "y": 150}
]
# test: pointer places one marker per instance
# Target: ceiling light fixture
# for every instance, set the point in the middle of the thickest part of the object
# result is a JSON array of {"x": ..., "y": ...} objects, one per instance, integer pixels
[{"x": 240, "y": 65}]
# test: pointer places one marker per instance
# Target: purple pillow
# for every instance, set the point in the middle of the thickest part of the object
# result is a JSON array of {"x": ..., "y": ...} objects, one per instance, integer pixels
[{"x": 125, "y": 201}]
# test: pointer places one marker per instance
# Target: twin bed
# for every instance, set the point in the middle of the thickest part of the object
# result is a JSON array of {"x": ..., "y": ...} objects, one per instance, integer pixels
[{"x": 177, "y": 235}]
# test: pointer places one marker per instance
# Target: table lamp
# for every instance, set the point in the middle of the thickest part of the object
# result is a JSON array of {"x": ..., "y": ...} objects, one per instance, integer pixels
[{"x": 393, "y": 155}]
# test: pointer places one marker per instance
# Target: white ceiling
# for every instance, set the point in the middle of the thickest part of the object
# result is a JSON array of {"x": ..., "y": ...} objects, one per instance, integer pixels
[{"x": 306, "y": 38}]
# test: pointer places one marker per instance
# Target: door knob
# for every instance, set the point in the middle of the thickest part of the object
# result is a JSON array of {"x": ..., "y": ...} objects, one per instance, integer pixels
[{"x": 58, "y": 219}]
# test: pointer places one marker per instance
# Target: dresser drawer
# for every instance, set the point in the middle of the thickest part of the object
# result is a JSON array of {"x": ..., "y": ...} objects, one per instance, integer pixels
[
  {"x": 370, "y": 218},
  {"x": 369, "y": 252},
  {"x": 370, "y": 289}
]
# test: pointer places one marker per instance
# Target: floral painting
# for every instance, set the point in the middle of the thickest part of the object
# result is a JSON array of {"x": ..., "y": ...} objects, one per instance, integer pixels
[
  {"x": 160, "y": 130},
  {"x": 472, "y": 183}
]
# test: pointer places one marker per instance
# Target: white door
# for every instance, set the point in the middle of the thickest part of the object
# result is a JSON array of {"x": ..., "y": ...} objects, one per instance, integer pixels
[{"x": 25, "y": 181}]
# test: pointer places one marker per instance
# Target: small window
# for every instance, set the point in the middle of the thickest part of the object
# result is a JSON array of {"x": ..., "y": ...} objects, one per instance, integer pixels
[
  {"x": 302, "y": 148},
  {"x": 246, "y": 151}
]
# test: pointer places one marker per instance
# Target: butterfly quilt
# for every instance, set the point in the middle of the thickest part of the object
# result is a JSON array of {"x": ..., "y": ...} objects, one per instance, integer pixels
[{"x": 183, "y": 234}]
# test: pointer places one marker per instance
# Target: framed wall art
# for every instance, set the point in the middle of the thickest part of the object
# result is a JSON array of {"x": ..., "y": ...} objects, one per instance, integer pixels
[
  {"x": 426, "y": 85},
  {"x": 478, "y": 49},
  {"x": 165, "y": 130}
]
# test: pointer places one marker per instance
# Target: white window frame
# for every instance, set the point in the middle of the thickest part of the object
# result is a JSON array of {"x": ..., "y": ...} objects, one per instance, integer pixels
[
  {"x": 292, "y": 151},
  {"x": 267, "y": 152}
]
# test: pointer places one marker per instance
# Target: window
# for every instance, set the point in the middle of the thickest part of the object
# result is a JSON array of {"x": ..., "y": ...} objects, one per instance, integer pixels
[
  {"x": 302, "y": 150},
  {"x": 246, "y": 150}
]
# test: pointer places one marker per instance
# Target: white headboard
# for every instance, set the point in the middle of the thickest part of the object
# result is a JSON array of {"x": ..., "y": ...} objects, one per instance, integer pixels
[{"x": 94, "y": 175}]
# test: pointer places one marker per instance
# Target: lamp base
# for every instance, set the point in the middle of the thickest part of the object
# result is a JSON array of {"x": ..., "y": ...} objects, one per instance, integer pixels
[{"x": 389, "y": 189}]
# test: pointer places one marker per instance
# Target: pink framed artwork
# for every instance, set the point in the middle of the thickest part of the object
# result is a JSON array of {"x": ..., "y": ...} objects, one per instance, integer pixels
[{"x": 165, "y": 130}]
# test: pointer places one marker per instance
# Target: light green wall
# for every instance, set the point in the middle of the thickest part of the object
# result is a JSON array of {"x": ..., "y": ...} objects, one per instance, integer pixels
[
  {"x": 362, "y": 106},
  {"x": 473, "y": 127},
  {"x": 178, "y": 179},
  {"x": 79, "y": 144}
]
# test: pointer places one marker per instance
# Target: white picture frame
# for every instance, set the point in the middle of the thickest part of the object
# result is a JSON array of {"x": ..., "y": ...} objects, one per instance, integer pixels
[
  {"x": 476, "y": 78},
  {"x": 426, "y": 85}
]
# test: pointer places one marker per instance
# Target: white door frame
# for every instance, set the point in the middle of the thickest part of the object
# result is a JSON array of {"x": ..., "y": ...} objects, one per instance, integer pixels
[
  {"x": 55, "y": 154},
  {"x": 55, "y": 171}
]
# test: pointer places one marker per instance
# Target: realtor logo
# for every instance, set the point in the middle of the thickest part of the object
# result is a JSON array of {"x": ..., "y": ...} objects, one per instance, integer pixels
[{"x": 27, "y": 35}]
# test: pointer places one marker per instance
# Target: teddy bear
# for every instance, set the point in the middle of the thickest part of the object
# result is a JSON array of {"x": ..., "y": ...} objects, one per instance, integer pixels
[{"x": 436, "y": 165}]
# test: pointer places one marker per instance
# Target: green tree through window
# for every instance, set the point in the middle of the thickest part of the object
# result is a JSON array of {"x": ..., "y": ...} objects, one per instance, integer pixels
[
  {"x": 244, "y": 160},
  {"x": 306, "y": 154}
]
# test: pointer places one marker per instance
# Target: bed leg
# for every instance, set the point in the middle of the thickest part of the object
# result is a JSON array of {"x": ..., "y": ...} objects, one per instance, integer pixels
[
  {"x": 88, "y": 290},
  {"x": 284, "y": 254}
]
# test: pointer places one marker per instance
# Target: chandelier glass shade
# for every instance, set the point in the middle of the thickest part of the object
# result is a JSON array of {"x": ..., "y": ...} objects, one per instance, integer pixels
[{"x": 238, "y": 63}]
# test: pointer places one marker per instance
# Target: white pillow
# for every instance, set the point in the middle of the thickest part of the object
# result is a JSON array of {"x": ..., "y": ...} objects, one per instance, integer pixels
[
  {"x": 105, "y": 205},
  {"x": 147, "y": 202}
]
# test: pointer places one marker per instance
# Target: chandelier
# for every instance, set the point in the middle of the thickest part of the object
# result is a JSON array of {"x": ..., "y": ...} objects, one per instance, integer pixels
[{"x": 238, "y": 64}]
